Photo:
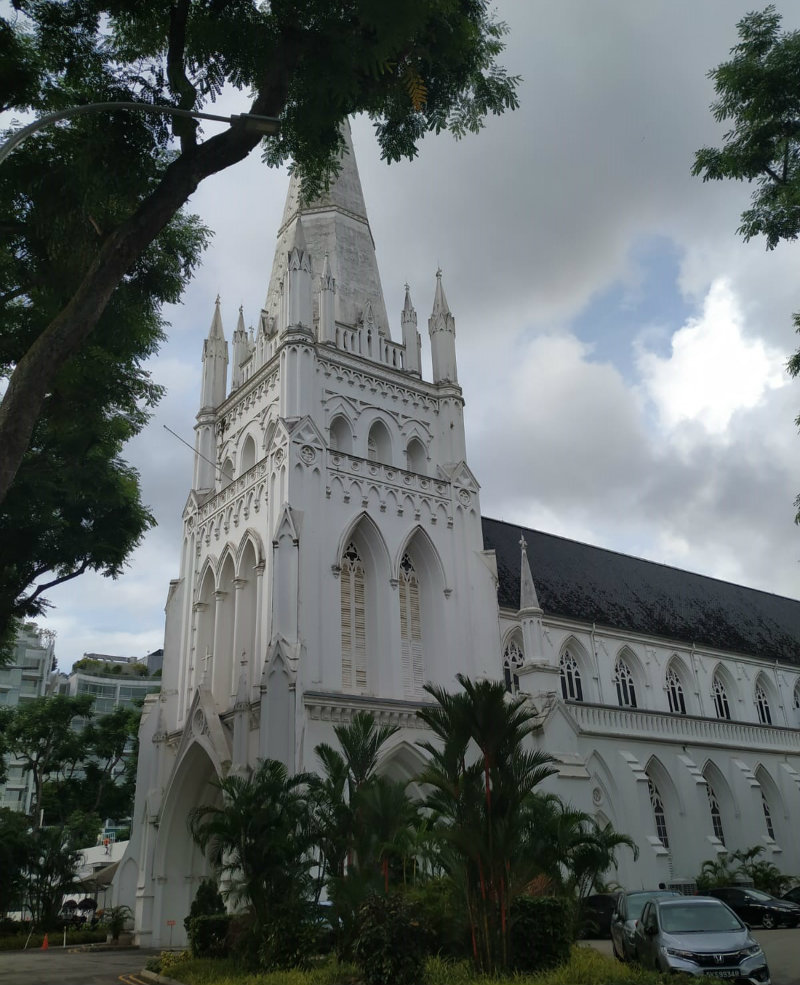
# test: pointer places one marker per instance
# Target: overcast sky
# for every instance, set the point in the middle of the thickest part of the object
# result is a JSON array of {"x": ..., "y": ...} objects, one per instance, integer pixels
[{"x": 622, "y": 353}]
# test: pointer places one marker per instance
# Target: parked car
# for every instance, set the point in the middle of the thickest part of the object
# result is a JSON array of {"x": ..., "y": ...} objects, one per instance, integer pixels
[
  {"x": 698, "y": 935},
  {"x": 596, "y": 913},
  {"x": 793, "y": 895},
  {"x": 626, "y": 913},
  {"x": 755, "y": 906}
]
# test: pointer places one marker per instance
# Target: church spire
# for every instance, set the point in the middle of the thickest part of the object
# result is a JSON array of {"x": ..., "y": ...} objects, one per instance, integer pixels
[
  {"x": 442, "y": 330},
  {"x": 335, "y": 223},
  {"x": 215, "y": 362}
]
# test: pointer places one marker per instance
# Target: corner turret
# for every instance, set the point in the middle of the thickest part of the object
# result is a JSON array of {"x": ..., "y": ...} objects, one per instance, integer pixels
[
  {"x": 442, "y": 330},
  {"x": 411, "y": 339},
  {"x": 212, "y": 394},
  {"x": 241, "y": 352}
]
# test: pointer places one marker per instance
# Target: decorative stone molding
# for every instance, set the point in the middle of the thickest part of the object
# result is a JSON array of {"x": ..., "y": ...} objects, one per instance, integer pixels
[
  {"x": 333, "y": 706},
  {"x": 643, "y": 723}
]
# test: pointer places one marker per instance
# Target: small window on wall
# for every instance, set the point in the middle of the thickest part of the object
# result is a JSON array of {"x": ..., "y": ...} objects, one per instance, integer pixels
[
  {"x": 623, "y": 679},
  {"x": 762, "y": 704},
  {"x": 571, "y": 687},
  {"x": 720, "y": 697},
  {"x": 513, "y": 659},
  {"x": 677, "y": 702},
  {"x": 797, "y": 696}
]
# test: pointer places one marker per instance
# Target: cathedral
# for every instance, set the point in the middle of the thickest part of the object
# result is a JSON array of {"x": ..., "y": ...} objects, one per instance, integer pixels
[{"x": 335, "y": 559}]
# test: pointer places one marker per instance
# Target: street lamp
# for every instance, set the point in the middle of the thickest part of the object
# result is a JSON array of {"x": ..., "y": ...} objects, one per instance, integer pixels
[{"x": 251, "y": 122}]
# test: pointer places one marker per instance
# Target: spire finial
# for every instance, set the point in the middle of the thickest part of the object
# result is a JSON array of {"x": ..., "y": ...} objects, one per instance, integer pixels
[
  {"x": 217, "y": 301},
  {"x": 523, "y": 544},
  {"x": 527, "y": 590}
]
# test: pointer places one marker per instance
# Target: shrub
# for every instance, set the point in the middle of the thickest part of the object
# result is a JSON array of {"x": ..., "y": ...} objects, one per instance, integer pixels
[
  {"x": 207, "y": 902},
  {"x": 443, "y": 922},
  {"x": 208, "y": 935},
  {"x": 541, "y": 932},
  {"x": 389, "y": 948}
]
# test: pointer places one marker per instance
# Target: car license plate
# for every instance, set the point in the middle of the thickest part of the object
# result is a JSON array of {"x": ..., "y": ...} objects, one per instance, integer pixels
[{"x": 723, "y": 972}]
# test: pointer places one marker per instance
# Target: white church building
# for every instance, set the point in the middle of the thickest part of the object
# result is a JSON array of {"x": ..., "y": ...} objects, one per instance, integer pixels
[{"x": 335, "y": 559}]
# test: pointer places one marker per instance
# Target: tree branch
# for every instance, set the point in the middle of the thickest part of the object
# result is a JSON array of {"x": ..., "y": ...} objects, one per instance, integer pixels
[
  {"x": 54, "y": 582},
  {"x": 774, "y": 175},
  {"x": 179, "y": 82},
  {"x": 34, "y": 374}
]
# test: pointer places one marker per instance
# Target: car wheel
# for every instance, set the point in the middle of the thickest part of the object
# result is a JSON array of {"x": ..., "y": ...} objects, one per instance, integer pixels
[
  {"x": 768, "y": 921},
  {"x": 617, "y": 955}
]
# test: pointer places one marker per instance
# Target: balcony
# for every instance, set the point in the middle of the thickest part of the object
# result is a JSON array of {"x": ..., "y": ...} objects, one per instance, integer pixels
[
  {"x": 640, "y": 723},
  {"x": 234, "y": 494},
  {"x": 388, "y": 475}
]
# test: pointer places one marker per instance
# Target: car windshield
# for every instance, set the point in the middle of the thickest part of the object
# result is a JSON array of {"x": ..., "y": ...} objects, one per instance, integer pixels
[
  {"x": 636, "y": 902},
  {"x": 757, "y": 894},
  {"x": 697, "y": 918}
]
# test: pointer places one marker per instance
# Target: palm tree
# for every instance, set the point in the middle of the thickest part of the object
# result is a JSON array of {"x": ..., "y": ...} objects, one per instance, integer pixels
[
  {"x": 259, "y": 838},
  {"x": 480, "y": 780}
]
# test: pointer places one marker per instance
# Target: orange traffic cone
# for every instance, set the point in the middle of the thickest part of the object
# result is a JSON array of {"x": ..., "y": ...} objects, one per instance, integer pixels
[{"x": 45, "y": 945}]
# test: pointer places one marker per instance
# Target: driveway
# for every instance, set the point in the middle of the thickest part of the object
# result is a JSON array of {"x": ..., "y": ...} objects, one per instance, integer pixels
[
  {"x": 57, "y": 966},
  {"x": 782, "y": 948}
]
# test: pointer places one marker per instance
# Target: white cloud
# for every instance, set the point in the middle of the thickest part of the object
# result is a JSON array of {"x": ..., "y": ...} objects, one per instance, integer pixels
[{"x": 714, "y": 369}]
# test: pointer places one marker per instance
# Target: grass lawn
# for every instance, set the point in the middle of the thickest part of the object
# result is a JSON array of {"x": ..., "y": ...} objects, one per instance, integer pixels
[{"x": 586, "y": 967}]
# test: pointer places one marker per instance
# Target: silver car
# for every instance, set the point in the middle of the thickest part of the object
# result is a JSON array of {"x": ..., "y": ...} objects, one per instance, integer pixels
[
  {"x": 626, "y": 915},
  {"x": 698, "y": 935}
]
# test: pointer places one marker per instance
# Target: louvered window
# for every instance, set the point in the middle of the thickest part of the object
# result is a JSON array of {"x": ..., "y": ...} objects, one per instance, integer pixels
[
  {"x": 658, "y": 813},
  {"x": 716, "y": 814},
  {"x": 354, "y": 622},
  {"x": 677, "y": 702},
  {"x": 720, "y": 699},
  {"x": 767, "y": 816},
  {"x": 571, "y": 688},
  {"x": 623, "y": 679},
  {"x": 410, "y": 628},
  {"x": 762, "y": 703},
  {"x": 513, "y": 659}
]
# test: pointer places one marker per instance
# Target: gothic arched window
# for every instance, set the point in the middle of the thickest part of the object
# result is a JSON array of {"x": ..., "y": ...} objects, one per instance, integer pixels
[
  {"x": 677, "y": 702},
  {"x": 410, "y": 628},
  {"x": 513, "y": 659},
  {"x": 623, "y": 679},
  {"x": 762, "y": 704},
  {"x": 658, "y": 813},
  {"x": 354, "y": 621},
  {"x": 720, "y": 697},
  {"x": 571, "y": 687},
  {"x": 796, "y": 701},
  {"x": 767, "y": 816},
  {"x": 716, "y": 814}
]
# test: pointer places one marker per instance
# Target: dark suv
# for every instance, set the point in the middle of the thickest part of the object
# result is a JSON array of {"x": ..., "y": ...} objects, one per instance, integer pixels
[{"x": 754, "y": 906}]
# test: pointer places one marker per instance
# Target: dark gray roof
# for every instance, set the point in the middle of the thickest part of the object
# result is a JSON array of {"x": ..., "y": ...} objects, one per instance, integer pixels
[{"x": 592, "y": 585}]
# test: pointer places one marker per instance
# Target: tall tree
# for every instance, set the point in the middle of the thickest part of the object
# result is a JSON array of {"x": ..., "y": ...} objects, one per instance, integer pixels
[
  {"x": 481, "y": 778},
  {"x": 75, "y": 504},
  {"x": 758, "y": 91},
  {"x": 413, "y": 67}
]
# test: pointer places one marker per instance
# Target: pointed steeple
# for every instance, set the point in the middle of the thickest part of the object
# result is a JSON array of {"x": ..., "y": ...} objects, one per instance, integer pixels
[
  {"x": 241, "y": 351},
  {"x": 215, "y": 362},
  {"x": 530, "y": 612},
  {"x": 442, "y": 330},
  {"x": 335, "y": 223},
  {"x": 327, "y": 303},
  {"x": 411, "y": 339},
  {"x": 527, "y": 590},
  {"x": 297, "y": 286}
]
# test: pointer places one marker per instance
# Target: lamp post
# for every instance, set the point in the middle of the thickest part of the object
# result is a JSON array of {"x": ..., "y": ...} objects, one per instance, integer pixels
[{"x": 250, "y": 122}]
